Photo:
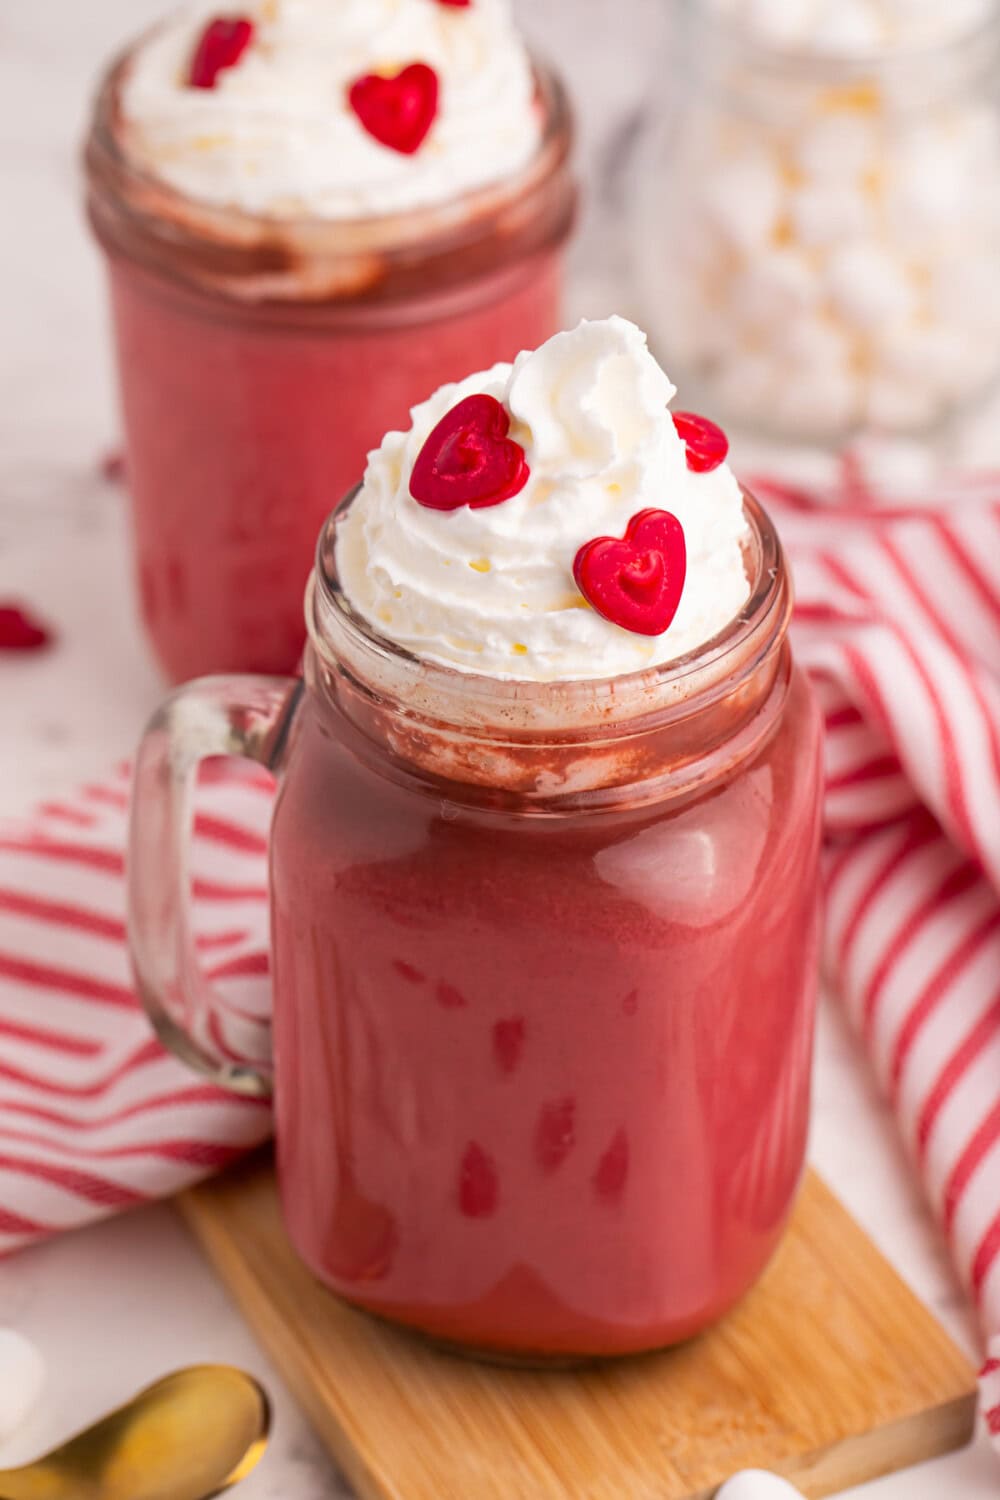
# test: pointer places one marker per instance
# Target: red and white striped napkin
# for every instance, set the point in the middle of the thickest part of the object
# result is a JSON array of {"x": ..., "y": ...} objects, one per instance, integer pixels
[
  {"x": 94, "y": 1115},
  {"x": 898, "y": 621}
]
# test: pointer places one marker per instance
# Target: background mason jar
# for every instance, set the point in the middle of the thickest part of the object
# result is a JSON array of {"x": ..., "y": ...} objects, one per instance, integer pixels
[
  {"x": 817, "y": 237},
  {"x": 260, "y": 358}
]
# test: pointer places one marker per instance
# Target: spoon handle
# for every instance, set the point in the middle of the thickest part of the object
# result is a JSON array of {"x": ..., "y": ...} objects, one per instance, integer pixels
[{"x": 190, "y": 1436}]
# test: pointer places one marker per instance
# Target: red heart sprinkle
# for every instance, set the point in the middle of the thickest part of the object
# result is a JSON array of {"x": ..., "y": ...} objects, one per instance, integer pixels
[
  {"x": 222, "y": 44},
  {"x": 20, "y": 631},
  {"x": 468, "y": 459},
  {"x": 636, "y": 582},
  {"x": 707, "y": 444},
  {"x": 458, "y": 4},
  {"x": 397, "y": 111}
]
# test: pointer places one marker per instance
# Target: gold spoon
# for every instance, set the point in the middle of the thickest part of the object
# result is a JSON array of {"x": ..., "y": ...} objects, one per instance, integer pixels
[{"x": 188, "y": 1437}]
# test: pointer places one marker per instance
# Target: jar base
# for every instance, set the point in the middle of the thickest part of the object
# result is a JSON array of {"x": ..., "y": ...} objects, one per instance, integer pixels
[
  {"x": 497, "y": 1358},
  {"x": 528, "y": 1359}
]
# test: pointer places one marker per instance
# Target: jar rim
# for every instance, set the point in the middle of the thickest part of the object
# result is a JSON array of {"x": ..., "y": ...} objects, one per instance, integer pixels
[
  {"x": 219, "y": 243},
  {"x": 345, "y": 641}
]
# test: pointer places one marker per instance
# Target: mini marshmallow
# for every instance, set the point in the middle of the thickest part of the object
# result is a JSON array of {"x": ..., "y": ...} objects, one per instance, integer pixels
[
  {"x": 927, "y": 189},
  {"x": 697, "y": 246},
  {"x": 772, "y": 289},
  {"x": 915, "y": 22},
  {"x": 756, "y": 1484},
  {"x": 852, "y": 26},
  {"x": 745, "y": 384},
  {"x": 913, "y": 11},
  {"x": 900, "y": 403},
  {"x": 814, "y": 340},
  {"x": 934, "y": 353},
  {"x": 785, "y": 23},
  {"x": 982, "y": 360},
  {"x": 868, "y": 287},
  {"x": 849, "y": 26},
  {"x": 973, "y": 136},
  {"x": 964, "y": 290},
  {"x": 817, "y": 400},
  {"x": 823, "y": 213},
  {"x": 22, "y": 1375},
  {"x": 687, "y": 326},
  {"x": 839, "y": 145},
  {"x": 743, "y": 198}
]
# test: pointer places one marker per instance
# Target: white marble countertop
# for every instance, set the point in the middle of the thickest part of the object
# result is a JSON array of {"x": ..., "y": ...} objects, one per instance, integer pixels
[{"x": 118, "y": 1305}]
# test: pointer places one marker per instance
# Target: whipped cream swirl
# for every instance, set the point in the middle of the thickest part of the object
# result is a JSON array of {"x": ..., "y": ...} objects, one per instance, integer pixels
[
  {"x": 491, "y": 590},
  {"x": 277, "y": 137}
]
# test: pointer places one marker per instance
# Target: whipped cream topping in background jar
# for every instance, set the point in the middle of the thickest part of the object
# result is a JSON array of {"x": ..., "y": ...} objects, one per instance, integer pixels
[
  {"x": 278, "y": 135},
  {"x": 313, "y": 213},
  {"x": 817, "y": 218}
]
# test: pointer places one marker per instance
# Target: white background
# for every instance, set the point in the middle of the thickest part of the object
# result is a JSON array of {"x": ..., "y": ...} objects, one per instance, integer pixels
[{"x": 117, "y": 1306}]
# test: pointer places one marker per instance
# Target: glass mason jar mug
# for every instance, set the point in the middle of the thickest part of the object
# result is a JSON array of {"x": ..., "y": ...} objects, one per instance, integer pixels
[
  {"x": 819, "y": 233},
  {"x": 260, "y": 358},
  {"x": 544, "y": 968}
]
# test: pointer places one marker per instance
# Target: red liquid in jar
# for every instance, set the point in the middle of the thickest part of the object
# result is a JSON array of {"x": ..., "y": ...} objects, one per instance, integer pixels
[
  {"x": 241, "y": 434},
  {"x": 543, "y": 1083}
]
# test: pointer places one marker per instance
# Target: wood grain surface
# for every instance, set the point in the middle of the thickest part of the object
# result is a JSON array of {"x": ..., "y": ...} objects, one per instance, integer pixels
[{"x": 831, "y": 1372}]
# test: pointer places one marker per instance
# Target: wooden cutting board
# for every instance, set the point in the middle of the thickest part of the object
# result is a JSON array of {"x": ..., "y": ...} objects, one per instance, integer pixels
[{"x": 831, "y": 1372}]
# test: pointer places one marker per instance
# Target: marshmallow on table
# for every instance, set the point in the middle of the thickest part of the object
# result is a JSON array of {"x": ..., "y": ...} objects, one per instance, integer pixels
[
  {"x": 22, "y": 1374},
  {"x": 757, "y": 1484}
]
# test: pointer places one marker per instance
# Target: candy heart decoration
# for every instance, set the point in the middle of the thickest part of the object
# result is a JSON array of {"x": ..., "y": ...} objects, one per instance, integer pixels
[
  {"x": 458, "y": 4},
  {"x": 222, "y": 44},
  {"x": 19, "y": 631},
  {"x": 636, "y": 582},
  {"x": 397, "y": 111},
  {"x": 468, "y": 459},
  {"x": 706, "y": 444}
]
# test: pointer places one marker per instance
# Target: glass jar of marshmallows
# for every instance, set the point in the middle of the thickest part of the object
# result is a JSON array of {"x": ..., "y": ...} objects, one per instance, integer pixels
[{"x": 818, "y": 213}]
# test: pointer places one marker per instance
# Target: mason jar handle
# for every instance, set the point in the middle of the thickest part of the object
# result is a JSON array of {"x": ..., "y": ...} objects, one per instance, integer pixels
[{"x": 214, "y": 716}]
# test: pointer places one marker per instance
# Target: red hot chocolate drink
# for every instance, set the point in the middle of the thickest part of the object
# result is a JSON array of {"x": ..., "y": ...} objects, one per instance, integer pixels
[
  {"x": 302, "y": 241},
  {"x": 545, "y": 937}
]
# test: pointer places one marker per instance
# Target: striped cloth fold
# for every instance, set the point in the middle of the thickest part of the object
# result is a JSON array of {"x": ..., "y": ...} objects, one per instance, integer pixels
[
  {"x": 898, "y": 623},
  {"x": 94, "y": 1115}
]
